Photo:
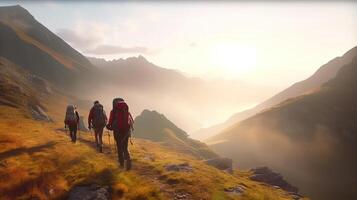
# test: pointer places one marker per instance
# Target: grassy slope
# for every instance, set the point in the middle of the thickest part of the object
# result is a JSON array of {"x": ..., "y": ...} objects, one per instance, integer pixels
[
  {"x": 37, "y": 159},
  {"x": 156, "y": 127}
]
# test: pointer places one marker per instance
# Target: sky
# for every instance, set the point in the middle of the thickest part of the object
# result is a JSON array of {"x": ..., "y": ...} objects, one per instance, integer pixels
[{"x": 272, "y": 44}]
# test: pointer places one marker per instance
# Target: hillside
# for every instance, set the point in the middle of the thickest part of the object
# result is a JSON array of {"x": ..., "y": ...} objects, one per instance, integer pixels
[
  {"x": 154, "y": 126},
  {"x": 321, "y": 76},
  {"x": 310, "y": 138},
  {"x": 38, "y": 161},
  {"x": 30, "y": 45}
]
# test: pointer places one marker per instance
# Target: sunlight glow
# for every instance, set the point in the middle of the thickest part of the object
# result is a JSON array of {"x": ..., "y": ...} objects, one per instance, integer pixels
[{"x": 235, "y": 59}]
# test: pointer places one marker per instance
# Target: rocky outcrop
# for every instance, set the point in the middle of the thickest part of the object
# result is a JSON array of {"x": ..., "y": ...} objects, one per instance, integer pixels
[
  {"x": 89, "y": 192},
  {"x": 236, "y": 190},
  {"x": 265, "y": 175},
  {"x": 39, "y": 114},
  {"x": 40, "y": 84},
  {"x": 221, "y": 163},
  {"x": 183, "y": 167}
]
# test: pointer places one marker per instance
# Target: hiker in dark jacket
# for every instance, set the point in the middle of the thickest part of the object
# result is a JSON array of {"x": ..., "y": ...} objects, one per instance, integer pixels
[
  {"x": 72, "y": 120},
  {"x": 121, "y": 122},
  {"x": 97, "y": 119}
]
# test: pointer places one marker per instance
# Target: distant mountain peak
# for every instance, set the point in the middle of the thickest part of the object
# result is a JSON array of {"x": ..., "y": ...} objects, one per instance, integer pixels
[
  {"x": 153, "y": 117},
  {"x": 138, "y": 59},
  {"x": 150, "y": 112}
]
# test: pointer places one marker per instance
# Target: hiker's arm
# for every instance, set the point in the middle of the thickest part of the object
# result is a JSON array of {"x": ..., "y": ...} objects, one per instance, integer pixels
[
  {"x": 131, "y": 122},
  {"x": 109, "y": 125},
  {"x": 105, "y": 116},
  {"x": 77, "y": 117},
  {"x": 111, "y": 118},
  {"x": 90, "y": 116}
]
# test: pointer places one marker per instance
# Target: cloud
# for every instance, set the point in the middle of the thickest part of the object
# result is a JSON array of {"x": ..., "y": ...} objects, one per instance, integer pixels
[
  {"x": 193, "y": 44},
  {"x": 104, "y": 49},
  {"x": 91, "y": 42},
  {"x": 78, "y": 40}
]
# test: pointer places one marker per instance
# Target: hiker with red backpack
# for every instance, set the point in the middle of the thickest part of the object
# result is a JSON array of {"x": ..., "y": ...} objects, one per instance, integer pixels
[
  {"x": 72, "y": 120},
  {"x": 121, "y": 122},
  {"x": 97, "y": 120}
]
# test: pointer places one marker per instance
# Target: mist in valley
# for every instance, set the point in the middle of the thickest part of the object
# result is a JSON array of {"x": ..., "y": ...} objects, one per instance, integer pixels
[{"x": 192, "y": 103}]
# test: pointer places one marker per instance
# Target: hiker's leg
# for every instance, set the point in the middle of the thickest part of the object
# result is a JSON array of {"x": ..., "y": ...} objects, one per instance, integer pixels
[
  {"x": 100, "y": 136},
  {"x": 121, "y": 150},
  {"x": 96, "y": 136},
  {"x": 126, "y": 152},
  {"x": 71, "y": 132},
  {"x": 118, "y": 140},
  {"x": 99, "y": 133},
  {"x": 125, "y": 148},
  {"x": 75, "y": 133}
]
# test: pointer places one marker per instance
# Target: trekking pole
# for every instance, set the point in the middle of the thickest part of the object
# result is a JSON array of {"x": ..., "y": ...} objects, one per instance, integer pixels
[
  {"x": 115, "y": 145},
  {"x": 66, "y": 130},
  {"x": 131, "y": 135},
  {"x": 109, "y": 139}
]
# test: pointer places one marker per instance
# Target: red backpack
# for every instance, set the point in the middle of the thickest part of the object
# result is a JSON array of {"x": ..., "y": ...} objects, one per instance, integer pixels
[{"x": 121, "y": 117}]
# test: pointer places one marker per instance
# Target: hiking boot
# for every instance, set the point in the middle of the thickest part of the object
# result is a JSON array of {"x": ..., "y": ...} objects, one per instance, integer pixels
[
  {"x": 121, "y": 164},
  {"x": 128, "y": 164}
]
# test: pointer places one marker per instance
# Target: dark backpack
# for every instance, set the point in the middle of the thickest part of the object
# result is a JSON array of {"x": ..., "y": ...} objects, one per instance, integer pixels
[
  {"x": 71, "y": 117},
  {"x": 116, "y": 100},
  {"x": 99, "y": 118}
]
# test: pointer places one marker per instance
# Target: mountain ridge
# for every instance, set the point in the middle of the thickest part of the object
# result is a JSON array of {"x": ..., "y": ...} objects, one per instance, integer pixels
[
  {"x": 29, "y": 44},
  {"x": 320, "y": 76}
]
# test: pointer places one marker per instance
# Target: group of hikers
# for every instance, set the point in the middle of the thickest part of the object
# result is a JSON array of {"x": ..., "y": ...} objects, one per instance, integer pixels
[{"x": 120, "y": 122}]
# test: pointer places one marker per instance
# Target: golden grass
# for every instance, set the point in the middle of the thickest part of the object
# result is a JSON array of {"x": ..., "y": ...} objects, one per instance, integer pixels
[{"x": 38, "y": 160}]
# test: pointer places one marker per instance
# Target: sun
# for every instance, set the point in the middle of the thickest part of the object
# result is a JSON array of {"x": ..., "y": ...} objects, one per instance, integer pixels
[{"x": 234, "y": 59}]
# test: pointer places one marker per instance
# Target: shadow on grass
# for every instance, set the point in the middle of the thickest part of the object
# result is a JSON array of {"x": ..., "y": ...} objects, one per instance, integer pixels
[
  {"x": 5, "y": 141},
  {"x": 107, "y": 149},
  {"x": 28, "y": 150}
]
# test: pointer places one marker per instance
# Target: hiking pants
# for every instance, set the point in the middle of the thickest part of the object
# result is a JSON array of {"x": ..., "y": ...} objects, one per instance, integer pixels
[
  {"x": 121, "y": 140},
  {"x": 73, "y": 132},
  {"x": 98, "y": 132}
]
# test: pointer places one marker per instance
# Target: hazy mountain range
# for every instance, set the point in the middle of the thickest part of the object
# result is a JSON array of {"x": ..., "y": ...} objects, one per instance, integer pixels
[
  {"x": 190, "y": 102},
  {"x": 310, "y": 138}
]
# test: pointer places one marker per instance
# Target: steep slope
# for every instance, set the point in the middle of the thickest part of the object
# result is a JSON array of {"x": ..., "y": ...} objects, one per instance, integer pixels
[
  {"x": 322, "y": 75},
  {"x": 154, "y": 126},
  {"x": 310, "y": 138},
  {"x": 30, "y": 45}
]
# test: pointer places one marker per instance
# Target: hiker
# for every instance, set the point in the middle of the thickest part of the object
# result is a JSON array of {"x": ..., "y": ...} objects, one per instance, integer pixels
[
  {"x": 121, "y": 122},
  {"x": 72, "y": 120},
  {"x": 97, "y": 120}
]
